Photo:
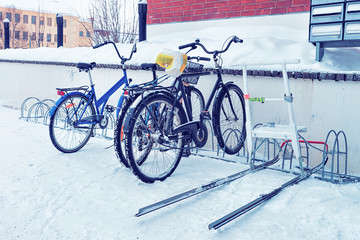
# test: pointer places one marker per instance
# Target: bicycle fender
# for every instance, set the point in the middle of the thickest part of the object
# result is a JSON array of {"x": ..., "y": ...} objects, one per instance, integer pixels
[
  {"x": 52, "y": 111},
  {"x": 214, "y": 114}
]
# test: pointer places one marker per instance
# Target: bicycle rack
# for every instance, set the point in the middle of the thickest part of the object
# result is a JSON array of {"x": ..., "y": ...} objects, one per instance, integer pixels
[
  {"x": 33, "y": 109},
  {"x": 273, "y": 131},
  {"x": 335, "y": 168}
]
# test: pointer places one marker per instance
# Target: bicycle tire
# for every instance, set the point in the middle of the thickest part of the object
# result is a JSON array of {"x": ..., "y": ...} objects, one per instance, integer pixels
[
  {"x": 230, "y": 132},
  {"x": 64, "y": 136},
  {"x": 119, "y": 140},
  {"x": 163, "y": 156}
]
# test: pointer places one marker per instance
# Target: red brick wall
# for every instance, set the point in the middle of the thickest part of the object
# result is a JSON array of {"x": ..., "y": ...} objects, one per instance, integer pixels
[{"x": 164, "y": 11}]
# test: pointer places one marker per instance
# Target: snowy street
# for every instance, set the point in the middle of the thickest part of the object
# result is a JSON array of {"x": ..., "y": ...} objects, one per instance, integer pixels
[{"x": 45, "y": 194}]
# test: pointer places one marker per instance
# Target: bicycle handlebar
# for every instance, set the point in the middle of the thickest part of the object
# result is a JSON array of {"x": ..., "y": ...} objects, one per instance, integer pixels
[
  {"x": 123, "y": 59},
  {"x": 187, "y": 45},
  {"x": 100, "y": 45},
  {"x": 199, "y": 58},
  {"x": 215, "y": 52}
]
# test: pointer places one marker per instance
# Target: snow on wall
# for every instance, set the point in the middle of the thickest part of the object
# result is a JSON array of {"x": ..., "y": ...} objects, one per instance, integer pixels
[{"x": 319, "y": 105}]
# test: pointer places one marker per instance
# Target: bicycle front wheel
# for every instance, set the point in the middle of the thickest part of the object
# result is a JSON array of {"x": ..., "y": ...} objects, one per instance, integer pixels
[
  {"x": 197, "y": 103},
  {"x": 119, "y": 139},
  {"x": 151, "y": 153},
  {"x": 229, "y": 119},
  {"x": 65, "y": 134}
]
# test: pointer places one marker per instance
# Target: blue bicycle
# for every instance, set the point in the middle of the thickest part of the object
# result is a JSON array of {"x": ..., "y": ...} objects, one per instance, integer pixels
[{"x": 78, "y": 110}]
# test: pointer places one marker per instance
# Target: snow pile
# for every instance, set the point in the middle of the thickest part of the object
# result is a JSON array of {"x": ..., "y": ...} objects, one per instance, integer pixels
[{"x": 265, "y": 38}]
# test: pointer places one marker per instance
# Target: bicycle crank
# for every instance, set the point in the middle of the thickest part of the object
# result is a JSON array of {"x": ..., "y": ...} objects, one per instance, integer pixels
[{"x": 103, "y": 122}]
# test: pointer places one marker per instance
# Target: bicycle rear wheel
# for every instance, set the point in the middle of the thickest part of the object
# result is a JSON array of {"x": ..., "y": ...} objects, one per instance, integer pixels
[
  {"x": 64, "y": 135},
  {"x": 151, "y": 154},
  {"x": 229, "y": 119}
]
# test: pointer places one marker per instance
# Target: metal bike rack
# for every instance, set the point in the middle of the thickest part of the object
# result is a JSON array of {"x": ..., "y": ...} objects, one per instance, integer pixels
[
  {"x": 290, "y": 131},
  {"x": 35, "y": 110}
]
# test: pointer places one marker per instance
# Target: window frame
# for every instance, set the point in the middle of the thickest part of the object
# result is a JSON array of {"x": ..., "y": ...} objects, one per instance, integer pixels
[
  {"x": 33, "y": 20},
  {"x": 49, "y": 21},
  {"x": 25, "y": 17},
  {"x": 25, "y": 34},
  {"x": 17, "y": 35},
  {"x": 17, "y": 17},
  {"x": 8, "y": 16}
]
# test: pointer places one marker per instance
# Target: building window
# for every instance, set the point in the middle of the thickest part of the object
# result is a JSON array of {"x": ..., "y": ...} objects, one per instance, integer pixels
[
  {"x": 25, "y": 35},
  {"x": 64, "y": 24},
  {"x": 49, "y": 21},
  {"x": 87, "y": 34},
  {"x": 81, "y": 33},
  {"x": 33, "y": 19},
  {"x": 33, "y": 36},
  {"x": 0, "y": 33},
  {"x": 17, "y": 34},
  {"x": 25, "y": 19},
  {"x": 1, "y": 16},
  {"x": 55, "y": 38},
  {"x": 17, "y": 17},
  {"x": 8, "y": 16},
  {"x": 41, "y": 37},
  {"x": 48, "y": 37},
  {"x": 41, "y": 20}
]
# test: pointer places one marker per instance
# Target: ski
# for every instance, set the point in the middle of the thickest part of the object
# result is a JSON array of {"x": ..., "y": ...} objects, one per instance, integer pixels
[
  {"x": 213, "y": 184},
  {"x": 260, "y": 200}
]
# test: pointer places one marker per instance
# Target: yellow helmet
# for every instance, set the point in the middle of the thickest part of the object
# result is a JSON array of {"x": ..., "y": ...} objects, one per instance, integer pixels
[{"x": 173, "y": 62}]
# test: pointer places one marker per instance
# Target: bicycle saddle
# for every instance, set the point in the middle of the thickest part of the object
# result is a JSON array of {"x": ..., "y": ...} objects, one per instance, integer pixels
[
  {"x": 149, "y": 66},
  {"x": 86, "y": 66}
]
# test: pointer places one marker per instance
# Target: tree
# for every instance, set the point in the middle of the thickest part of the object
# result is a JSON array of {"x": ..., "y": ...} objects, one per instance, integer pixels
[
  {"x": 16, "y": 27},
  {"x": 114, "y": 20}
]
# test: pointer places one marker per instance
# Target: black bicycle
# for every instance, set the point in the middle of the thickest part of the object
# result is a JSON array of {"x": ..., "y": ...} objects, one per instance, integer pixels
[
  {"x": 163, "y": 134},
  {"x": 131, "y": 94}
]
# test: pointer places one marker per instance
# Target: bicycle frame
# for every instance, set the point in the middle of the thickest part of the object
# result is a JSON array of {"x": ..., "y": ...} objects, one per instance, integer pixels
[{"x": 104, "y": 98}]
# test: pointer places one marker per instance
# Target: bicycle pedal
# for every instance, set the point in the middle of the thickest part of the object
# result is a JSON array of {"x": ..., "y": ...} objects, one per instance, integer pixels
[
  {"x": 110, "y": 108},
  {"x": 93, "y": 133},
  {"x": 186, "y": 153}
]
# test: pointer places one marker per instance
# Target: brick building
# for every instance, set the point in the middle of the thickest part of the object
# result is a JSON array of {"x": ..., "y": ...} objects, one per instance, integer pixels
[
  {"x": 32, "y": 29},
  {"x": 165, "y": 11}
]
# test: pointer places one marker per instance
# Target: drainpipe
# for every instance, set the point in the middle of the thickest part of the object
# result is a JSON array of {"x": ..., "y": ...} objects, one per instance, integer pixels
[
  {"x": 7, "y": 33},
  {"x": 60, "y": 32},
  {"x": 142, "y": 8}
]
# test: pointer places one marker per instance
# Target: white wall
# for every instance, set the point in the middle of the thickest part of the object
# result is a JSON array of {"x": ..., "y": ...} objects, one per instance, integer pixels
[{"x": 319, "y": 105}]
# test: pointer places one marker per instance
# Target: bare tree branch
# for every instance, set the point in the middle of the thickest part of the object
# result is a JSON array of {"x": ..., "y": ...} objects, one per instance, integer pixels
[{"x": 114, "y": 20}]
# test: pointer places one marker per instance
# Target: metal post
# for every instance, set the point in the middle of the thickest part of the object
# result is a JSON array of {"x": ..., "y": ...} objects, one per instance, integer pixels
[
  {"x": 7, "y": 33},
  {"x": 142, "y": 8},
  {"x": 60, "y": 26}
]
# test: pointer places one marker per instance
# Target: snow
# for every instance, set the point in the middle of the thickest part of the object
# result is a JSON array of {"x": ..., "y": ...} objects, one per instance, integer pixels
[
  {"x": 46, "y": 194},
  {"x": 265, "y": 38},
  {"x": 327, "y": 10}
]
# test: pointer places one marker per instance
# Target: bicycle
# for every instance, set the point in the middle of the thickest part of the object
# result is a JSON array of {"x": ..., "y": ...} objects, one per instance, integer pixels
[
  {"x": 133, "y": 92},
  {"x": 75, "y": 114},
  {"x": 172, "y": 126}
]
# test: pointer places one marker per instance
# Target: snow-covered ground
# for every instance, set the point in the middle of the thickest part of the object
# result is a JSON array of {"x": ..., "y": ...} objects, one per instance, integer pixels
[{"x": 45, "y": 194}]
